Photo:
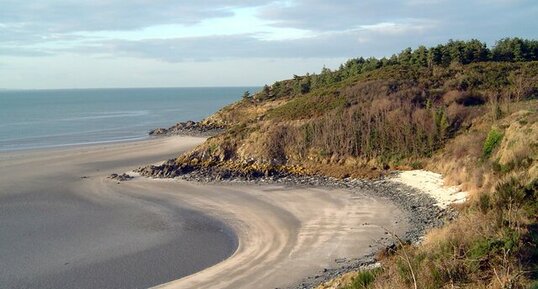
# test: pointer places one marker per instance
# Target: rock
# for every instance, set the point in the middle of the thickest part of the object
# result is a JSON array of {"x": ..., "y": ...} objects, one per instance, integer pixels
[
  {"x": 121, "y": 178},
  {"x": 158, "y": 131}
]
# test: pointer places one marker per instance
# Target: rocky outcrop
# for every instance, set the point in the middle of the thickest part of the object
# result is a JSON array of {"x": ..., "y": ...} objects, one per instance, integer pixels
[
  {"x": 169, "y": 169},
  {"x": 208, "y": 171},
  {"x": 191, "y": 128}
]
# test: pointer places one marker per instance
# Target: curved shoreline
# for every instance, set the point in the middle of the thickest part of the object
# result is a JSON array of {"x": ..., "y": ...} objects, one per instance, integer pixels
[
  {"x": 418, "y": 209},
  {"x": 278, "y": 225},
  {"x": 282, "y": 227}
]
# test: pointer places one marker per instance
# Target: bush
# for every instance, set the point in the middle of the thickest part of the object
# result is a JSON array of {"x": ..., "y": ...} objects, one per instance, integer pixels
[
  {"x": 492, "y": 141},
  {"x": 484, "y": 203},
  {"x": 510, "y": 194},
  {"x": 364, "y": 279}
]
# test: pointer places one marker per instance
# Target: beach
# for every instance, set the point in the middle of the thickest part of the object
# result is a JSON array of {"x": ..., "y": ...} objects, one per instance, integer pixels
[{"x": 67, "y": 223}]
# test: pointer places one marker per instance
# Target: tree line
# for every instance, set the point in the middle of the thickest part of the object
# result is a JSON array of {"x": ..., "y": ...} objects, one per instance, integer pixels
[{"x": 444, "y": 55}]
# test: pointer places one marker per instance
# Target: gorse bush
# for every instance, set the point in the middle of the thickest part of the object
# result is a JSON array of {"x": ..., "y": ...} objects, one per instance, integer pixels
[{"x": 492, "y": 141}]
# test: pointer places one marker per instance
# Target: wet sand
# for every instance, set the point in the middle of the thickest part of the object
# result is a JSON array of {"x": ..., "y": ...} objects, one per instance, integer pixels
[
  {"x": 58, "y": 227},
  {"x": 59, "y": 230}
]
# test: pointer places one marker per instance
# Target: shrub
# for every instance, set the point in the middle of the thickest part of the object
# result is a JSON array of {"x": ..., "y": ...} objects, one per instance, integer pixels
[
  {"x": 416, "y": 165},
  {"x": 364, "y": 279},
  {"x": 492, "y": 141},
  {"x": 484, "y": 203},
  {"x": 510, "y": 194}
]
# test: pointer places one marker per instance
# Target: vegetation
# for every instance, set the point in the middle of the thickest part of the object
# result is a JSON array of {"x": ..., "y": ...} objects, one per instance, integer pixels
[
  {"x": 492, "y": 140},
  {"x": 363, "y": 279},
  {"x": 491, "y": 248},
  {"x": 388, "y": 118},
  {"x": 461, "y": 109},
  {"x": 443, "y": 55},
  {"x": 494, "y": 241}
]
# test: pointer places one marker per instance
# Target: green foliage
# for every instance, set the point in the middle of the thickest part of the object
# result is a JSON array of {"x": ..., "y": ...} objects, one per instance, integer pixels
[
  {"x": 501, "y": 168},
  {"x": 443, "y": 55},
  {"x": 416, "y": 165},
  {"x": 441, "y": 123},
  {"x": 247, "y": 95},
  {"x": 531, "y": 206},
  {"x": 510, "y": 194},
  {"x": 482, "y": 250},
  {"x": 393, "y": 113},
  {"x": 364, "y": 279},
  {"x": 307, "y": 106},
  {"x": 515, "y": 49},
  {"x": 492, "y": 141}
]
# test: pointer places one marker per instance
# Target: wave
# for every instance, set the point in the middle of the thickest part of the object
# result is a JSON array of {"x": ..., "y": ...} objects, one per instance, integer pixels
[
  {"x": 102, "y": 115},
  {"x": 93, "y": 116},
  {"x": 19, "y": 147}
]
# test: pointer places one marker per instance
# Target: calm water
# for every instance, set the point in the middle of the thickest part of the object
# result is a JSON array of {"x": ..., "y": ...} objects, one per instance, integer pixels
[{"x": 49, "y": 118}]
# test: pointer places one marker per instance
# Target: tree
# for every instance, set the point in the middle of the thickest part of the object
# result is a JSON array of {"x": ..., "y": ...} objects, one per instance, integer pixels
[
  {"x": 265, "y": 93},
  {"x": 420, "y": 56},
  {"x": 246, "y": 95},
  {"x": 405, "y": 56},
  {"x": 305, "y": 85},
  {"x": 515, "y": 49},
  {"x": 476, "y": 51},
  {"x": 435, "y": 55}
]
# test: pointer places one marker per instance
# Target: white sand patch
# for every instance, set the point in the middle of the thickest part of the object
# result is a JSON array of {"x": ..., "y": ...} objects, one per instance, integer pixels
[{"x": 432, "y": 184}]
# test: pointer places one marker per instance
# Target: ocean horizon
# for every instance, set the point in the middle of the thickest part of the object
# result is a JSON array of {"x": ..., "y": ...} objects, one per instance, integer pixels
[{"x": 46, "y": 118}]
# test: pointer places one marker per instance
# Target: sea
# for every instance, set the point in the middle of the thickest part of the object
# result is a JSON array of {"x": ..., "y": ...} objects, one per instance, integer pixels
[{"x": 32, "y": 119}]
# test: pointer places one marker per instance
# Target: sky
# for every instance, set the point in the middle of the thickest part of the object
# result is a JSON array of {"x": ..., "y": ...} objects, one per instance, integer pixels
[{"x": 49, "y": 44}]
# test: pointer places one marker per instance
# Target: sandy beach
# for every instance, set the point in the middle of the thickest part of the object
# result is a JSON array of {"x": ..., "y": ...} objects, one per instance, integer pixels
[{"x": 64, "y": 222}]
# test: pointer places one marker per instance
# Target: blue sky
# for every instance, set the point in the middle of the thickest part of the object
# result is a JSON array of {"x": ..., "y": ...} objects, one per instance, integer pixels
[{"x": 156, "y": 43}]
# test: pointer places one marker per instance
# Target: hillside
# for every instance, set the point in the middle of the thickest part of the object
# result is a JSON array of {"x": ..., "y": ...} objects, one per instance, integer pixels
[
  {"x": 460, "y": 109},
  {"x": 392, "y": 117}
]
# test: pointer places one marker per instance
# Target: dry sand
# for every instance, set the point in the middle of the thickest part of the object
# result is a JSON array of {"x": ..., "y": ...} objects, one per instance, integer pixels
[
  {"x": 284, "y": 233},
  {"x": 432, "y": 184}
]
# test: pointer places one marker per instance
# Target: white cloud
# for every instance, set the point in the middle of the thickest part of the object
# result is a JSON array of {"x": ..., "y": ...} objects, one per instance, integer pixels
[{"x": 419, "y": 26}]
